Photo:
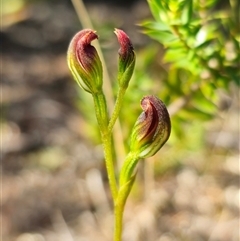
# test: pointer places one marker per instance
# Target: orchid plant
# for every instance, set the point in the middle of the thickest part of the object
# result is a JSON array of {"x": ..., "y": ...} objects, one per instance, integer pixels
[{"x": 151, "y": 130}]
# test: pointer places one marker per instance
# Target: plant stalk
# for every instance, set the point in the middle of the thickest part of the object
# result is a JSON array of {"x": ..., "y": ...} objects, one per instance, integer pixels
[
  {"x": 117, "y": 108},
  {"x": 102, "y": 118},
  {"x": 118, "y": 215}
]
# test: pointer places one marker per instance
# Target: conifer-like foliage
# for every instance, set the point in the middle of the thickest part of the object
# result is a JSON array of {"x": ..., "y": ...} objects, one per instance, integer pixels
[{"x": 201, "y": 41}]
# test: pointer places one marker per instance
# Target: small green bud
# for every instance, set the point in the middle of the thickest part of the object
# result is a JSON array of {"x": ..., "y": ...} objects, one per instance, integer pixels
[
  {"x": 152, "y": 128},
  {"x": 84, "y": 62},
  {"x": 127, "y": 58}
]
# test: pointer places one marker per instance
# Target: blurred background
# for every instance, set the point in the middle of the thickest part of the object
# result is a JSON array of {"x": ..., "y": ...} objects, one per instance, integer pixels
[{"x": 54, "y": 184}]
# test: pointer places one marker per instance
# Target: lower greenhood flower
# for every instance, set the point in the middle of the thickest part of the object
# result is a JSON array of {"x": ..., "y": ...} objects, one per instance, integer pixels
[
  {"x": 84, "y": 62},
  {"x": 152, "y": 128}
]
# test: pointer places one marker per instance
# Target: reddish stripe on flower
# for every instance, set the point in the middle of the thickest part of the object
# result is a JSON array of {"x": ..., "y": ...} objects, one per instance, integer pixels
[
  {"x": 152, "y": 128},
  {"x": 85, "y": 52},
  {"x": 84, "y": 62}
]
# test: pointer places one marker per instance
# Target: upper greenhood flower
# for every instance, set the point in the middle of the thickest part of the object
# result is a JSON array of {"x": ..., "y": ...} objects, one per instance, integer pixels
[
  {"x": 152, "y": 128},
  {"x": 127, "y": 58},
  {"x": 84, "y": 62}
]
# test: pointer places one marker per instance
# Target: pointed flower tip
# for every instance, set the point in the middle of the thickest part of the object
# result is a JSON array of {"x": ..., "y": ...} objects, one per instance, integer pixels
[
  {"x": 84, "y": 62},
  {"x": 86, "y": 35},
  {"x": 124, "y": 41},
  {"x": 126, "y": 58},
  {"x": 121, "y": 35},
  {"x": 152, "y": 128}
]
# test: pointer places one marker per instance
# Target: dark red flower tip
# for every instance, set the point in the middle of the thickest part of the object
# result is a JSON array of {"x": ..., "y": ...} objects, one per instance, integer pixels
[
  {"x": 126, "y": 58},
  {"x": 126, "y": 46},
  {"x": 85, "y": 52}
]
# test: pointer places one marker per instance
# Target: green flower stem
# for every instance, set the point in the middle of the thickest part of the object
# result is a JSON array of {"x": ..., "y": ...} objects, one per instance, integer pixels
[
  {"x": 108, "y": 147},
  {"x": 128, "y": 168},
  {"x": 101, "y": 112},
  {"x": 118, "y": 215},
  {"x": 102, "y": 118},
  {"x": 117, "y": 107},
  {"x": 127, "y": 179},
  {"x": 119, "y": 196}
]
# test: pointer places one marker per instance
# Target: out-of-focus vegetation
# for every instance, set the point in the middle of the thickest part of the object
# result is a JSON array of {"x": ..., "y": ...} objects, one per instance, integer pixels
[{"x": 201, "y": 42}]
